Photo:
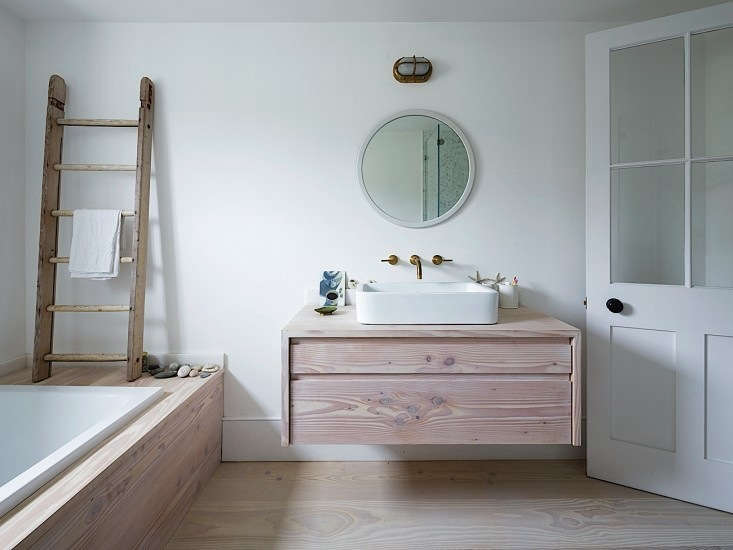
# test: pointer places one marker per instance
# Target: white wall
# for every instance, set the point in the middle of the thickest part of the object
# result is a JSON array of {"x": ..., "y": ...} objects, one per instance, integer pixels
[
  {"x": 258, "y": 128},
  {"x": 12, "y": 191}
]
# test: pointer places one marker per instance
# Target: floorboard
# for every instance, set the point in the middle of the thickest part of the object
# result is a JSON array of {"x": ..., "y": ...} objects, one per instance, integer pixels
[{"x": 440, "y": 505}]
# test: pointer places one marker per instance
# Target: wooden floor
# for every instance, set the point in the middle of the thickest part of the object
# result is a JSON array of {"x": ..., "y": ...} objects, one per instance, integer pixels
[{"x": 437, "y": 505}]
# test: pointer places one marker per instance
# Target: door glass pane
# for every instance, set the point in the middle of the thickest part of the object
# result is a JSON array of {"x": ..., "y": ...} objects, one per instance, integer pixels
[
  {"x": 648, "y": 225},
  {"x": 711, "y": 217},
  {"x": 648, "y": 102},
  {"x": 712, "y": 93}
]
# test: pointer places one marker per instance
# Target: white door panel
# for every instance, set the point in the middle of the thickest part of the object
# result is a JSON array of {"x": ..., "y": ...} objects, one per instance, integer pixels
[
  {"x": 643, "y": 402},
  {"x": 718, "y": 389},
  {"x": 659, "y": 108}
]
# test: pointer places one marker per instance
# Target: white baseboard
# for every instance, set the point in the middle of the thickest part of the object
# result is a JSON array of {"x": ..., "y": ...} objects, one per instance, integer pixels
[
  {"x": 15, "y": 364},
  {"x": 259, "y": 440}
]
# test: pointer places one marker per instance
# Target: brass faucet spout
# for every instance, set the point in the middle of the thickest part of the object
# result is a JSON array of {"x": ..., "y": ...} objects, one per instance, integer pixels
[{"x": 415, "y": 260}]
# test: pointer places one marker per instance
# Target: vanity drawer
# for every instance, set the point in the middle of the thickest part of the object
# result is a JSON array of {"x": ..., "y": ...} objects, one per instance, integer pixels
[
  {"x": 430, "y": 355},
  {"x": 410, "y": 409}
]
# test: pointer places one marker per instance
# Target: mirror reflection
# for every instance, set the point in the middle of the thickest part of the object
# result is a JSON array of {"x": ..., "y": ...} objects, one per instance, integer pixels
[{"x": 415, "y": 169}]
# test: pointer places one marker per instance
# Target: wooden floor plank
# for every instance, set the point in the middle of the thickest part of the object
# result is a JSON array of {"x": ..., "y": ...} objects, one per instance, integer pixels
[{"x": 446, "y": 505}]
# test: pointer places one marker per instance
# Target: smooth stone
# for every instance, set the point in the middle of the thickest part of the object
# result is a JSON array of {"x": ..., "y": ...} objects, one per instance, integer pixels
[
  {"x": 156, "y": 370},
  {"x": 184, "y": 371},
  {"x": 210, "y": 367},
  {"x": 164, "y": 374},
  {"x": 194, "y": 371},
  {"x": 173, "y": 367},
  {"x": 205, "y": 374}
]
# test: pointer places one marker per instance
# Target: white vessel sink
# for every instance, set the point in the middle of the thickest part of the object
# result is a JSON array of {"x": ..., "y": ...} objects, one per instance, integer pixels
[{"x": 426, "y": 303}]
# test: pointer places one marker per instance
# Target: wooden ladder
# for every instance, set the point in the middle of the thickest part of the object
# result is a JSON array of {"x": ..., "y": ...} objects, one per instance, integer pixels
[{"x": 53, "y": 165}]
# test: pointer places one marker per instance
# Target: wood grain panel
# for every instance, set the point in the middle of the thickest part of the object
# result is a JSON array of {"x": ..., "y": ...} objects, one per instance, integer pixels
[
  {"x": 413, "y": 409},
  {"x": 576, "y": 379},
  {"x": 430, "y": 355}
]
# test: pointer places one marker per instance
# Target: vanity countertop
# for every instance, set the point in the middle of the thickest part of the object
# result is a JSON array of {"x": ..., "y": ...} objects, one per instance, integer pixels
[{"x": 521, "y": 322}]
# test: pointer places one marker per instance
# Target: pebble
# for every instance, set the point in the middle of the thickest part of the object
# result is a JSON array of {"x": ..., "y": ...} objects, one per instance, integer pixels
[
  {"x": 164, "y": 374},
  {"x": 205, "y": 374},
  {"x": 156, "y": 370},
  {"x": 210, "y": 367},
  {"x": 183, "y": 371},
  {"x": 195, "y": 370},
  {"x": 173, "y": 367}
]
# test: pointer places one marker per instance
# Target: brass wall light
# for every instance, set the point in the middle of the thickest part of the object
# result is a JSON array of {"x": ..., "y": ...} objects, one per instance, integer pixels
[{"x": 412, "y": 69}]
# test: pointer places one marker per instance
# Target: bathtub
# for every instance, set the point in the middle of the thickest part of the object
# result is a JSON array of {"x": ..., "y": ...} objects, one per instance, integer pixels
[{"x": 43, "y": 429}]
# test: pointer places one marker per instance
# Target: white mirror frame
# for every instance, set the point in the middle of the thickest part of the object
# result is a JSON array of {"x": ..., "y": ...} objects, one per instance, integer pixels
[{"x": 471, "y": 168}]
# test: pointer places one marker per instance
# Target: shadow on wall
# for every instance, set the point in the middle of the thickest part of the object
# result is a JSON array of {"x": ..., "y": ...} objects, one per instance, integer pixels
[{"x": 166, "y": 234}]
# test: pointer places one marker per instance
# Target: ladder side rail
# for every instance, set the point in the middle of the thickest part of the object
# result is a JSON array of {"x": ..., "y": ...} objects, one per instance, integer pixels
[
  {"x": 140, "y": 231},
  {"x": 48, "y": 236}
]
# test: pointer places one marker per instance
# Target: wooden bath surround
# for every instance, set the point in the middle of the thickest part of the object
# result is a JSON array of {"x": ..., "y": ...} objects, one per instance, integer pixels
[
  {"x": 133, "y": 489},
  {"x": 518, "y": 381}
]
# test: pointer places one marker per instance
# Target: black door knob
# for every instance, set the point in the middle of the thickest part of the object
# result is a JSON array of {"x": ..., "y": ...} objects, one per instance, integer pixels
[{"x": 615, "y": 305}]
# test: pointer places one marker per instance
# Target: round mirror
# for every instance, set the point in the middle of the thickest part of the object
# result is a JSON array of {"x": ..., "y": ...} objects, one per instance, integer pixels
[{"x": 416, "y": 168}]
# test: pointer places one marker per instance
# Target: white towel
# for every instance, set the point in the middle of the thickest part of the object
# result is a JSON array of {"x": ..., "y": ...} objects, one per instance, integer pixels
[{"x": 95, "y": 244}]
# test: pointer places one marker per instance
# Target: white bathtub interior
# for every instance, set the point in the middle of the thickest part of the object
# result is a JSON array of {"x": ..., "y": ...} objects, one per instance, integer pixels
[{"x": 46, "y": 428}]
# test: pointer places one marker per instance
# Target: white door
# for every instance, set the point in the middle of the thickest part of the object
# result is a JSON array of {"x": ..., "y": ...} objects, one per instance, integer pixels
[{"x": 659, "y": 99}]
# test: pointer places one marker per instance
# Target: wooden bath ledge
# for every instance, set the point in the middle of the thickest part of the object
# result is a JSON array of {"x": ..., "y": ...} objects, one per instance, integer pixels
[
  {"x": 518, "y": 381},
  {"x": 135, "y": 487}
]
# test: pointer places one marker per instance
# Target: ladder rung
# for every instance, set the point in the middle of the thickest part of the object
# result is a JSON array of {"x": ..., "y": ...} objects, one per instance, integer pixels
[
  {"x": 96, "y": 167},
  {"x": 67, "y": 213},
  {"x": 86, "y": 308},
  {"x": 85, "y": 357},
  {"x": 110, "y": 122},
  {"x": 65, "y": 260}
]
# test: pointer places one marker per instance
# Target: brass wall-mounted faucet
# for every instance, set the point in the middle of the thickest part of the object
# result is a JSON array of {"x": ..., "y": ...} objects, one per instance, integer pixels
[
  {"x": 415, "y": 260},
  {"x": 392, "y": 259}
]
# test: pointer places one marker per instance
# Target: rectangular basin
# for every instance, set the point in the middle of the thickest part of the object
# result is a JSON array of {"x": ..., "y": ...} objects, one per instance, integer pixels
[{"x": 426, "y": 303}]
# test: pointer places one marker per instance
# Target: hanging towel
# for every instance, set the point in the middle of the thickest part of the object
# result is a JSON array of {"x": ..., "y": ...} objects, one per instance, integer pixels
[{"x": 95, "y": 244}]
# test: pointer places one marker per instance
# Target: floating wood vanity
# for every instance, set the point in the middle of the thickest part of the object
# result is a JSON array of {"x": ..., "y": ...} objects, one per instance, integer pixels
[{"x": 517, "y": 381}]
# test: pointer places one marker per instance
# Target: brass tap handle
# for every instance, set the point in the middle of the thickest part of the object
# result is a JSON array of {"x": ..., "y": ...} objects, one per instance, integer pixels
[
  {"x": 391, "y": 259},
  {"x": 438, "y": 259}
]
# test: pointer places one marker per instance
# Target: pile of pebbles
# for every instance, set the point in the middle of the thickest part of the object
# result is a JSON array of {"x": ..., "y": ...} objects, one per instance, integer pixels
[{"x": 185, "y": 370}]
